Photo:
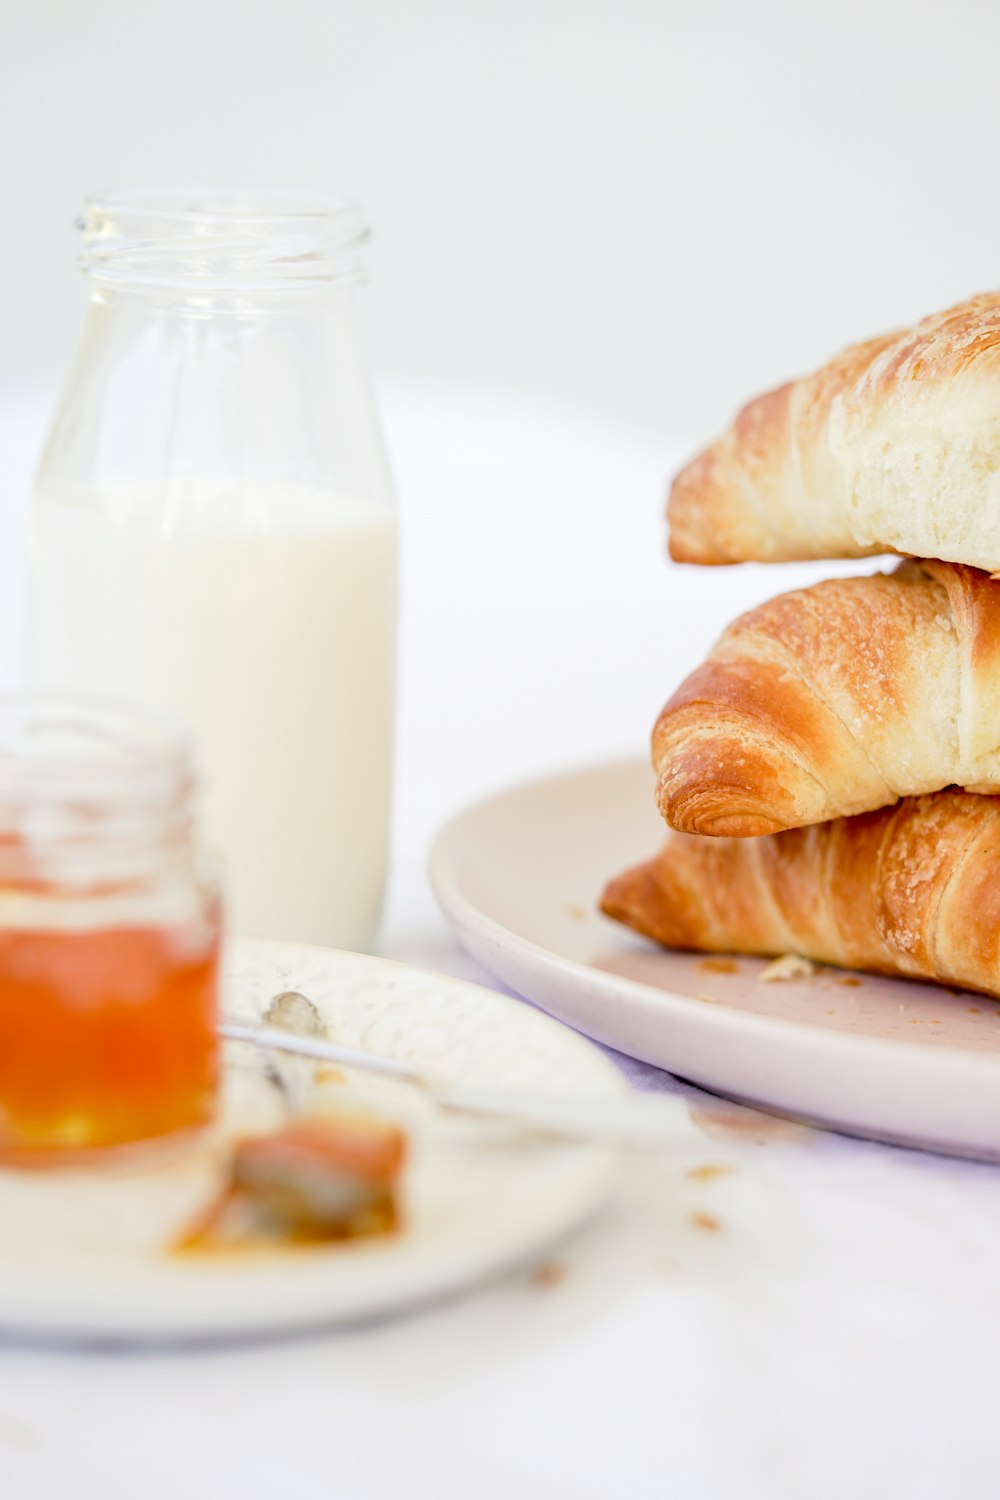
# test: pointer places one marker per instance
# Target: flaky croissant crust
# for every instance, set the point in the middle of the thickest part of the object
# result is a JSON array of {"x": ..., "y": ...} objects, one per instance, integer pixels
[
  {"x": 837, "y": 699},
  {"x": 912, "y": 890},
  {"x": 894, "y": 445}
]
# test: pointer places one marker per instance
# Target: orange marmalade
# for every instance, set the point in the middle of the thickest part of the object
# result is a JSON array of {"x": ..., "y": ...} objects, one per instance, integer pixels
[
  {"x": 108, "y": 1037},
  {"x": 109, "y": 935}
]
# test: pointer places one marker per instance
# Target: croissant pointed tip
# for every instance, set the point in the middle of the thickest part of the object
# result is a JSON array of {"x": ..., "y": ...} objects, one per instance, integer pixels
[{"x": 714, "y": 811}]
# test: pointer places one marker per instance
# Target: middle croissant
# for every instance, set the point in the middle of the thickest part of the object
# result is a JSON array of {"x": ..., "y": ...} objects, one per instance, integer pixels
[{"x": 837, "y": 699}]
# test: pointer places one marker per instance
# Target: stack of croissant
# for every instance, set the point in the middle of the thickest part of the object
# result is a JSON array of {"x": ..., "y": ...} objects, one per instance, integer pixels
[{"x": 831, "y": 771}]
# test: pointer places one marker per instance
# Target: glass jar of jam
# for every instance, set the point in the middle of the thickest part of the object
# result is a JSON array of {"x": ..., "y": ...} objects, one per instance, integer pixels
[{"x": 109, "y": 932}]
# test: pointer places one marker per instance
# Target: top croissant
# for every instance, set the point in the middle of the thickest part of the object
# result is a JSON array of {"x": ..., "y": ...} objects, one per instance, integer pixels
[{"x": 893, "y": 446}]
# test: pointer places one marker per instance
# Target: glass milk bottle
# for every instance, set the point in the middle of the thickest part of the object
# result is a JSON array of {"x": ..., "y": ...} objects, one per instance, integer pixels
[{"x": 213, "y": 534}]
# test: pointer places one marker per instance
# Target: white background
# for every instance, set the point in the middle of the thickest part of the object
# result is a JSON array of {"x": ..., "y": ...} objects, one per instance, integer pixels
[
  {"x": 647, "y": 208},
  {"x": 598, "y": 228}
]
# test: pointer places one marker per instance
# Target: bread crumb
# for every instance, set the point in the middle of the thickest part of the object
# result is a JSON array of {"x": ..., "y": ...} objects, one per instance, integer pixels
[
  {"x": 327, "y": 1073},
  {"x": 707, "y": 1222},
  {"x": 550, "y": 1273},
  {"x": 719, "y": 966},
  {"x": 788, "y": 966},
  {"x": 709, "y": 1171}
]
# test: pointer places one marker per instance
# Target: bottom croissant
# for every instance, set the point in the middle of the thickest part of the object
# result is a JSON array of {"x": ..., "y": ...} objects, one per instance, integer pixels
[{"x": 912, "y": 889}]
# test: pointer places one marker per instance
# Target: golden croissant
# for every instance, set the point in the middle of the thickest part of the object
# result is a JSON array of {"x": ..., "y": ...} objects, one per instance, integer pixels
[
  {"x": 892, "y": 446},
  {"x": 912, "y": 889},
  {"x": 836, "y": 699}
]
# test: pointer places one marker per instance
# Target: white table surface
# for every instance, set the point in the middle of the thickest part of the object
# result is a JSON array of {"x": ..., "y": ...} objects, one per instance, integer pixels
[{"x": 823, "y": 1321}]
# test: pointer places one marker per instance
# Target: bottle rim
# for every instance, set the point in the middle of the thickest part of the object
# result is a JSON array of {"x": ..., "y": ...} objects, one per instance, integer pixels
[{"x": 181, "y": 236}]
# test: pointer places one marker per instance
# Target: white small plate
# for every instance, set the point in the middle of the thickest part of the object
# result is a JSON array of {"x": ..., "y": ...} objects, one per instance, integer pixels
[
  {"x": 84, "y": 1252},
  {"x": 519, "y": 877}
]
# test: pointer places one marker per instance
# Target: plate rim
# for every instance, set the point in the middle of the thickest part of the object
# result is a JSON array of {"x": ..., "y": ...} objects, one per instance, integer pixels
[
  {"x": 60, "y": 1311},
  {"x": 485, "y": 932}
]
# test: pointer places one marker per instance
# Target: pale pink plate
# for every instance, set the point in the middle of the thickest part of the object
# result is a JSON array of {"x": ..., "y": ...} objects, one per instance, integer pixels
[{"x": 518, "y": 878}]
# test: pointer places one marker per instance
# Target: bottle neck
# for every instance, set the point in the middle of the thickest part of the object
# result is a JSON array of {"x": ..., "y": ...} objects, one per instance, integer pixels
[{"x": 221, "y": 350}]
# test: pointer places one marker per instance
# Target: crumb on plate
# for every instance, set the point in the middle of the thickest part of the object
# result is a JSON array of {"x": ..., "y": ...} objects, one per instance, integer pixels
[
  {"x": 709, "y": 1170},
  {"x": 788, "y": 966},
  {"x": 551, "y": 1273}
]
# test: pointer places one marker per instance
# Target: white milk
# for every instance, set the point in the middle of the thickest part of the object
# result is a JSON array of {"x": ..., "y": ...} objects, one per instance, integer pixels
[{"x": 267, "y": 620}]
